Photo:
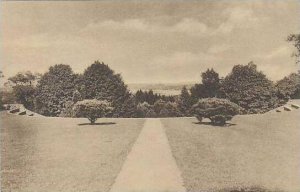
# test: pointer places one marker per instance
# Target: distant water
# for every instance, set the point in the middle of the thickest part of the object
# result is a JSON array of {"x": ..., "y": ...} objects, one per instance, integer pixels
[{"x": 161, "y": 88}]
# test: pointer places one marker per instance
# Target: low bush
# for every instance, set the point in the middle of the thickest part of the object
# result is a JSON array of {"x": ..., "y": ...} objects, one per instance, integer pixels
[
  {"x": 145, "y": 110},
  {"x": 92, "y": 109},
  {"x": 166, "y": 109},
  {"x": 217, "y": 110}
]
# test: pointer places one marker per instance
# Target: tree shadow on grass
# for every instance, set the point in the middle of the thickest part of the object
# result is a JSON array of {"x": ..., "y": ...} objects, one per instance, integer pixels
[
  {"x": 211, "y": 124},
  {"x": 104, "y": 123}
]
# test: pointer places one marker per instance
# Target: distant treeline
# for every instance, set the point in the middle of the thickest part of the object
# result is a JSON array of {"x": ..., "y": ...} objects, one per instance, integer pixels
[{"x": 150, "y": 97}]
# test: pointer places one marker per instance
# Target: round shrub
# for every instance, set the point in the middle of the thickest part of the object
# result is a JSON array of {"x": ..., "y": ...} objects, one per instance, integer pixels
[
  {"x": 217, "y": 110},
  {"x": 92, "y": 109}
]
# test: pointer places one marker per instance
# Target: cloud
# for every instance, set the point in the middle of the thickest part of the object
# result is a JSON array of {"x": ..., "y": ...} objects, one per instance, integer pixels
[
  {"x": 238, "y": 18},
  {"x": 182, "y": 66},
  {"x": 182, "y": 59},
  {"x": 283, "y": 51},
  {"x": 188, "y": 26},
  {"x": 31, "y": 41},
  {"x": 277, "y": 63}
]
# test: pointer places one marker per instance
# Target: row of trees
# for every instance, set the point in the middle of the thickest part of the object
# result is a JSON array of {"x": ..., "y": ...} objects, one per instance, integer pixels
[
  {"x": 245, "y": 86},
  {"x": 57, "y": 91},
  {"x": 150, "y": 97}
]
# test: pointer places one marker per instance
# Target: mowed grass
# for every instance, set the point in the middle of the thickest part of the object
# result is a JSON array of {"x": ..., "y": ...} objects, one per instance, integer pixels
[
  {"x": 63, "y": 154},
  {"x": 255, "y": 150}
]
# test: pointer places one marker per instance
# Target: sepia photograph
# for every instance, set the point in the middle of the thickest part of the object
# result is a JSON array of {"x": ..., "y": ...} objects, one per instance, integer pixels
[{"x": 150, "y": 96}]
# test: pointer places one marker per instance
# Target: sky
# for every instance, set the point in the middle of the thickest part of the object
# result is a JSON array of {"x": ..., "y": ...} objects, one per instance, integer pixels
[{"x": 149, "y": 41}]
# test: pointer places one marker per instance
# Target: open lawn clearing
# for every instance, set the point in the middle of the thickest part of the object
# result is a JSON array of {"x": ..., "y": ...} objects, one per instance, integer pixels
[
  {"x": 255, "y": 150},
  {"x": 63, "y": 154}
]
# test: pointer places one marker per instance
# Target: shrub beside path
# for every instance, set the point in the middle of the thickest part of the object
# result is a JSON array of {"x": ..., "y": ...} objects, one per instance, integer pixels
[{"x": 150, "y": 165}]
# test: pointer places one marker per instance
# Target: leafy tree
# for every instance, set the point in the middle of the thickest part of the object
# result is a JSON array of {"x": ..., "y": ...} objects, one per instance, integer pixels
[
  {"x": 55, "y": 89},
  {"x": 24, "y": 94},
  {"x": 185, "y": 102},
  {"x": 197, "y": 92},
  {"x": 289, "y": 87},
  {"x": 26, "y": 78},
  {"x": 210, "y": 86},
  {"x": 100, "y": 82},
  {"x": 250, "y": 89},
  {"x": 92, "y": 109},
  {"x": 211, "y": 82},
  {"x": 128, "y": 108},
  {"x": 23, "y": 87},
  {"x": 295, "y": 38}
]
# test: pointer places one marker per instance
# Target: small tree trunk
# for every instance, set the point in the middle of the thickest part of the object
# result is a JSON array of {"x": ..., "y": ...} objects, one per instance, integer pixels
[{"x": 92, "y": 120}]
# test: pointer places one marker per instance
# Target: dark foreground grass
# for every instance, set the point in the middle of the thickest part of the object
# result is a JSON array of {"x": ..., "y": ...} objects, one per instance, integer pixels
[
  {"x": 256, "y": 150},
  {"x": 56, "y": 154}
]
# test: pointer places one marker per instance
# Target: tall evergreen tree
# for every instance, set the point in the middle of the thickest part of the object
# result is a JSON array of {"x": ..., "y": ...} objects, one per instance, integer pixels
[
  {"x": 100, "y": 82},
  {"x": 210, "y": 86},
  {"x": 211, "y": 83},
  {"x": 185, "y": 102},
  {"x": 54, "y": 90}
]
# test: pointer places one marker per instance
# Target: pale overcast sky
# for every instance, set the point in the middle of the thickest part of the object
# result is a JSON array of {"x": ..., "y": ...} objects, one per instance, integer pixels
[{"x": 150, "y": 41}]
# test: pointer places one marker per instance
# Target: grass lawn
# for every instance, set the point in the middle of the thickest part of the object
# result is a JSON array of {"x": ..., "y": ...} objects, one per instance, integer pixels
[
  {"x": 60, "y": 154},
  {"x": 256, "y": 150}
]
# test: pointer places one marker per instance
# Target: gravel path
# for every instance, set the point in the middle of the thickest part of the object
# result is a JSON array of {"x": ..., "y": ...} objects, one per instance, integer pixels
[{"x": 150, "y": 165}]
